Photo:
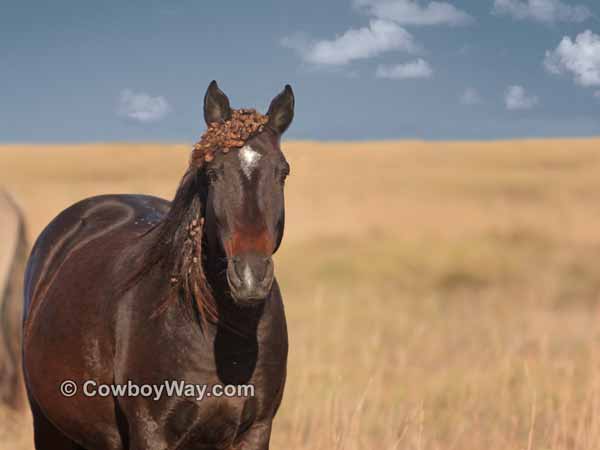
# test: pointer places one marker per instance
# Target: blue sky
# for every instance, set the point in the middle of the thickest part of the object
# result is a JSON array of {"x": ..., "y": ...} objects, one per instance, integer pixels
[{"x": 76, "y": 71}]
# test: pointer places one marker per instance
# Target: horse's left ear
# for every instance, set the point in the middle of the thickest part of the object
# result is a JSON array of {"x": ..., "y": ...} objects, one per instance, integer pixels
[{"x": 281, "y": 110}]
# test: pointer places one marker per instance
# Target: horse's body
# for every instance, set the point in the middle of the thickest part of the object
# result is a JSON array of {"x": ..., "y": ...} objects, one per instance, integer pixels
[
  {"x": 91, "y": 314},
  {"x": 13, "y": 256},
  {"x": 113, "y": 339}
]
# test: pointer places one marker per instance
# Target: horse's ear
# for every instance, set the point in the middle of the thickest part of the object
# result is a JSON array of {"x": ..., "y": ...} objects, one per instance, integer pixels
[
  {"x": 216, "y": 104},
  {"x": 281, "y": 110}
]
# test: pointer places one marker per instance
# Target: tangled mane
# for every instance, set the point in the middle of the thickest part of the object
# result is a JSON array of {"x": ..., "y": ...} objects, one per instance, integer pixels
[
  {"x": 224, "y": 136},
  {"x": 178, "y": 247}
]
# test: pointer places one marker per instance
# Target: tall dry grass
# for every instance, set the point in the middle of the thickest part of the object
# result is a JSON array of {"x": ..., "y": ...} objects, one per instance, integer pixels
[{"x": 439, "y": 295}]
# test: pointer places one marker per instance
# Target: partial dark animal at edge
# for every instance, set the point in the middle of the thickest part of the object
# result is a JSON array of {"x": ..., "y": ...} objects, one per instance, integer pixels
[{"x": 133, "y": 287}]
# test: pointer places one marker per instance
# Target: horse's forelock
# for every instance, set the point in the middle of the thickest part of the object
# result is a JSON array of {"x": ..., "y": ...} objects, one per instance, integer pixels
[{"x": 225, "y": 136}]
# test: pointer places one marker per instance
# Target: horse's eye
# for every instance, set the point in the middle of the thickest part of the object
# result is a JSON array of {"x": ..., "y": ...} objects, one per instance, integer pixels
[
  {"x": 285, "y": 171},
  {"x": 212, "y": 175}
]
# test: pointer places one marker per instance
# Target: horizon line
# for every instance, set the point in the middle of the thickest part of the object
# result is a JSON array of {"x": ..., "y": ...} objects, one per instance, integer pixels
[{"x": 293, "y": 141}]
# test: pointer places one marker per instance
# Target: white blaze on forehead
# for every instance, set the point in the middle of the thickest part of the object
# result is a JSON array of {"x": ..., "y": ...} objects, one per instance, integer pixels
[{"x": 249, "y": 159}]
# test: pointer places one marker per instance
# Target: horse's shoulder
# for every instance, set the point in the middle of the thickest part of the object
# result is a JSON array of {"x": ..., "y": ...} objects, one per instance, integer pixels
[{"x": 99, "y": 226}]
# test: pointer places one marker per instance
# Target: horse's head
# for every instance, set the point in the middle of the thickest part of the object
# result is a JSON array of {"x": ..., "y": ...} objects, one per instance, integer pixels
[{"x": 244, "y": 208}]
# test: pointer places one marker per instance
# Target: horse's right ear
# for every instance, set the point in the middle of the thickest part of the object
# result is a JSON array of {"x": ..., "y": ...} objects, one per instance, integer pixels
[
  {"x": 281, "y": 110},
  {"x": 216, "y": 104}
]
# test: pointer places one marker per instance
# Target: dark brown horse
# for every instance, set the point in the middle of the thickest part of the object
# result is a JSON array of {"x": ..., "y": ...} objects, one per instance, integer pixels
[{"x": 133, "y": 289}]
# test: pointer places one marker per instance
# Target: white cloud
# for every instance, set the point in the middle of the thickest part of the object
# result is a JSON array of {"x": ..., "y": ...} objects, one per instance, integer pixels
[
  {"x": 470, "y": 96},
  {"x": 414, "y": 12},
  {"x": 379, "y": 37},
  {"x": 414, "y": 69},
  {"x": 581, "y": 58},
  {"x": 516, "y": 98},
  {"x": 142, "y": 107},
  {"x": 547, "y": 11}
]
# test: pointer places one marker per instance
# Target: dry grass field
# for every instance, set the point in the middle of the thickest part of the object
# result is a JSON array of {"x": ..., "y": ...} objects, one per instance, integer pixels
[{"x": 439, "y": 295}]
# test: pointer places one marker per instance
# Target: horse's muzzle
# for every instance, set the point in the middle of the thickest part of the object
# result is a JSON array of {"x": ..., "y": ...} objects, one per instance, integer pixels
[{"x": 250, "y": 277}]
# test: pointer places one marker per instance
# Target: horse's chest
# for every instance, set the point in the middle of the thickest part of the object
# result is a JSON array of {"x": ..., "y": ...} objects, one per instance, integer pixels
[
  {"x": 239, "y": 379},
  {"x": 223, "y": 392}
]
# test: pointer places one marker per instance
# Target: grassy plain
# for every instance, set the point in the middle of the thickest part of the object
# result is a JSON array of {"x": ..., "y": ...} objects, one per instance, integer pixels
[{"x": 439, "y": 295}]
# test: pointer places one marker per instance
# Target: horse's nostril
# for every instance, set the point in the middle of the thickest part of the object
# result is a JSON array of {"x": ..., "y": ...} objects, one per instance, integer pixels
[{"x": 233, "y": 275}]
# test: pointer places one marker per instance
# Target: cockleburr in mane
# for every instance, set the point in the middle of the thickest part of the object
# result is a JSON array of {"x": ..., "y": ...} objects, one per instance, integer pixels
[{"x": 231, "y": 134}]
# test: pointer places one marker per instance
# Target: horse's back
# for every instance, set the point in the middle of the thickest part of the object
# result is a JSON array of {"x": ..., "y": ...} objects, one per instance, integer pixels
[{"x": 13, "y": 254}]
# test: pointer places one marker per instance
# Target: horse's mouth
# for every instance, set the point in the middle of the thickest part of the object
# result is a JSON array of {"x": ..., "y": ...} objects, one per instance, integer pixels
[{"x": 248, "y": 299}]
